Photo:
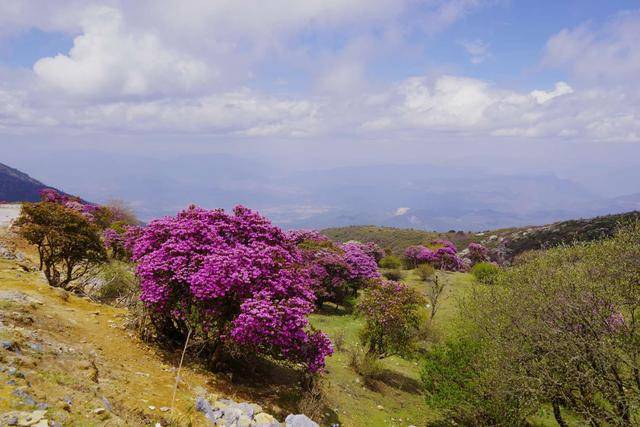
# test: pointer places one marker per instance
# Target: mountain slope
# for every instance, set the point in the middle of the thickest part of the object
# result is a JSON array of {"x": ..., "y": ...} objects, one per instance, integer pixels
[
  {"x": 509, "y": 242},
  {"x": 16, "y": 186}
]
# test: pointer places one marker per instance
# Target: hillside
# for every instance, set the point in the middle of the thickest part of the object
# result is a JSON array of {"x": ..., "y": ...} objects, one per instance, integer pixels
[
  {"x": 396, "y": 239},
  {"x": 16, "y": 186},
  {"x": 517, "y": 241},
  {"x": 511, "y": 242}
]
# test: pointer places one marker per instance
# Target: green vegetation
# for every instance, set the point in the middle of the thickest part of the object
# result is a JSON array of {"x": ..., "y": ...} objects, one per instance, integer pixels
[
  {"x": 395, "y": 240},
  {"x": 485, "y": 272},
  {"x": 391, "y": 262},
  {"x": 68, "y": 244},
  {"x": 559, "y": 330}
]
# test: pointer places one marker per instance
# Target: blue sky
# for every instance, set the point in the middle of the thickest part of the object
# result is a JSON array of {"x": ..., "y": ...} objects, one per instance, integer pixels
[{"x": 512, "y": 86}]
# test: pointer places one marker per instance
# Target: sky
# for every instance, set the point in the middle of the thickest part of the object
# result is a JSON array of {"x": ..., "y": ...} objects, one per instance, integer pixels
[{"x": 508, "y": 87}]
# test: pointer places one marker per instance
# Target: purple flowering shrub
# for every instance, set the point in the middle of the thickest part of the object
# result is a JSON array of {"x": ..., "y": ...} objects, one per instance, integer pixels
[
  {"x": 442, "y": 255},
  {"x": 337, "y": 271},
  {"x": 101, "y": 216},
  {"x": 362, "y": 266},
  {"x": 477, "y": 253},
  {"x": 418, "y": 254},
  {"x": 371, "y": 249},
  {"x": 233, "y": 279}
]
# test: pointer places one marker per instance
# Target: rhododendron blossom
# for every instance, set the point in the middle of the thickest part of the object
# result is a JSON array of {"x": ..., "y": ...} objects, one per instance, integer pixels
[
  {"x": 233, "y": 278},
  {"x": 361, "y": 265},
  {"x": 477, "y": 253},
  {"x": 337, "y": 271}
]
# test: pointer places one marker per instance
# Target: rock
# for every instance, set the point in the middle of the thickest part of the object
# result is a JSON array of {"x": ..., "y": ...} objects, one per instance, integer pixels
[
  {"x": 246, "y": 409},
  {"x": 243, "y": 421},
  {"x": 12, "y": 420},
  {"x": 9, "y": 345},
  {"x": 263, "y": 420},
  {"x": 26, "y": 398},
  {"x": 380, "y": 407},
  {"x": 99, "y": 411},
  {"x": 299, "y": 420},
  {"x": 231, "y": 414},
  {"x": 164, "y": 409},
  {"x": 152, "y": 408},
  {"x": 37, "y": 347},
  {"x": 204, "y": 406},
  {"x": 107, "y": 404},
  {"x": 31, "y": 418}
]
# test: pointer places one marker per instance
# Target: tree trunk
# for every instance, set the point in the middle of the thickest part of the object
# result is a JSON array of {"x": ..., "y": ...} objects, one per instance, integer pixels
[{"x": 558, "y": 415}]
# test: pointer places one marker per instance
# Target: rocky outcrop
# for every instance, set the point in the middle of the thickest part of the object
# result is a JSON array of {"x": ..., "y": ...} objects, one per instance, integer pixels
[{"x": 227, "y": 413}]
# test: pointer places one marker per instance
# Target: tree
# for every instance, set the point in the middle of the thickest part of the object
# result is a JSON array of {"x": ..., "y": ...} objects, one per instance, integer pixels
[
  {"x": 392, "y": 320},
  {"x": 434, "y": 292},
  {"x": 232, "y": 281},
  {"x": 68, "y": 244},
  {"x": 561, "y": 329}
]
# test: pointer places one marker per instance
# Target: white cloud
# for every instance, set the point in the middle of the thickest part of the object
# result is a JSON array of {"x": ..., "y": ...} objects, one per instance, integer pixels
[
  {"x": 561, "y": 88},
  {"x": 169, "y": 66},
  {"x": 108, "y": 60},
  {"x": 606, "y": 55},
  {"x": 400, "y": 211},
  {"x": 477, "y": 49},
  {"x": 474, "y": 107}
]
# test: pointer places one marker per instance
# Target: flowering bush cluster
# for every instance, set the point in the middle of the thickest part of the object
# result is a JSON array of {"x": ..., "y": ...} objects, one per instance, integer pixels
[
  {"x": 477, "y": 253},
  {"x": 362, "y": 266},
  {"x": 442, "y": 254},
  {"x": 337, "y": 271},
  {"x": 371, "y": 249},
  {"x": 233, "y": 279}
]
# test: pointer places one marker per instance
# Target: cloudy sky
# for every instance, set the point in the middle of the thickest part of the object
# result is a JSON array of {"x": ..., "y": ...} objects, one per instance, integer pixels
[{"x": 505, "y": 86}]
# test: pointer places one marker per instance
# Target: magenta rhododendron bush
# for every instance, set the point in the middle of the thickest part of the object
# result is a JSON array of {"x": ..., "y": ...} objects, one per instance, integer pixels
[
  {"x": 337, "y": 271},
  {"x": 232, "y": 278}
]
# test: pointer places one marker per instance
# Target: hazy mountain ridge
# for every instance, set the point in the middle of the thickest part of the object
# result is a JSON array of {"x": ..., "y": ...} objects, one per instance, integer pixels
[
  {"x": 17, "y": 186},
  {"x": 428, "y": 197}
]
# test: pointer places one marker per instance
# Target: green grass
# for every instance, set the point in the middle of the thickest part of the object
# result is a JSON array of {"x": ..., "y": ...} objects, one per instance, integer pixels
[{"x": 399, "y": 392}]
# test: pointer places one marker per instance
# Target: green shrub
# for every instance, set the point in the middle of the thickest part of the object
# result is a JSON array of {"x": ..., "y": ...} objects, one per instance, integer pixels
[
  {"x": 485, "y": 272},
  {"x": 119, "y": 282},
  {"x": 391, "y": 262},
  {"x": 425, "y": 272},
  {"x": 560, "y": 330},
  {"x": 395, "y": 274},
  {"x": 460, "y": 381}
]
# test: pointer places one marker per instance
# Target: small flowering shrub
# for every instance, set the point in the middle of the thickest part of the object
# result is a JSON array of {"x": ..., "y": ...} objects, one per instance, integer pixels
[
  {"x": 418, "y": 254},
  {"x": 442, "y": 255},
  {"x": 392, "y": 320},
  {"x": 234, "y": 280},
  {"x": 477, "y": 253},
  {"x": 337, "y": 271}
]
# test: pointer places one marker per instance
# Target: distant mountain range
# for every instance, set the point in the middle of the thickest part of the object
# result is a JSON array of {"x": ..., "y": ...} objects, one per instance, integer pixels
[
  {"x": 420, "y": 196},
  {"x": 16, "y": 186}
]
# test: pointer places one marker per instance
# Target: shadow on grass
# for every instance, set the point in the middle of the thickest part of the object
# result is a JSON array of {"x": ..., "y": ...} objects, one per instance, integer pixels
[{"x": 395, "y": 380}]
